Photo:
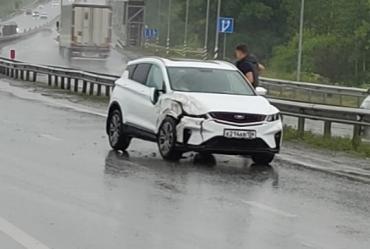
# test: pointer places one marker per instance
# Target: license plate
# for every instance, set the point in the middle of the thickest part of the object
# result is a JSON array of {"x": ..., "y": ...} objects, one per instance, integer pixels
[{"x": 242, "y": 134}]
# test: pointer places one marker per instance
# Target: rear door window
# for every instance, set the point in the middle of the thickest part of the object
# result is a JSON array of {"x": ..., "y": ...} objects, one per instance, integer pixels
[
  {"x": 141, "y": 73},
  {"x": 131, "y": 70}
]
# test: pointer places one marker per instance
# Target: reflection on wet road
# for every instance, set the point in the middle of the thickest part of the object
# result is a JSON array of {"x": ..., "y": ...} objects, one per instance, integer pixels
[{"x": 61, "y": 183}]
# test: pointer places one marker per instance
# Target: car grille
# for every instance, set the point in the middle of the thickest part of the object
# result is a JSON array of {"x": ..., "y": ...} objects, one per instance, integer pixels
[{"x": 240, "y": 118}]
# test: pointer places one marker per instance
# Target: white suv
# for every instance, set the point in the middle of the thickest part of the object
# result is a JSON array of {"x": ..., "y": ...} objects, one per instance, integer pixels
[{"x": 190, "y": 105}]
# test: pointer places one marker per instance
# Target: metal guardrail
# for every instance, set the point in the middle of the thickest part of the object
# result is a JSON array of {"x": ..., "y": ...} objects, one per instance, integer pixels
[
  {"x": 64, "y": 78},
  {"x": 27, "y": 32},
  {"x": 97, "y": 84},
  {"x": 315, "y": 93},
  {"x": 358, "y": 118}
]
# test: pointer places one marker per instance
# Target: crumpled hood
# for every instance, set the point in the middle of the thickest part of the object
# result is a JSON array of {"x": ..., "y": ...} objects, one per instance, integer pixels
[{"x": 202, "y": 103}]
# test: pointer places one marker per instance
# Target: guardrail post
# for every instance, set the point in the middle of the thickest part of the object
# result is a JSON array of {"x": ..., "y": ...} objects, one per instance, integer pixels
[
  {"x": 99, "y": 90},
  {"x": 76, "y": 82},
  {"x": 56, "y": 80},
  {"x": 62, "y": 82},
  {"x": 91, "y": 92},
  {"x": 107, "y": 91},
  {"x": 49, "y": 79},
  {"x": 68, "y": 83},
  {"x": 356, "y": 140},
  {"x": 34, "y": 78},
  {"x": 84, "y": 87},
  {"x": 327, "y": 129},
  {"x": 301, "y": 124},
  {"x": 28, "y": 75}
]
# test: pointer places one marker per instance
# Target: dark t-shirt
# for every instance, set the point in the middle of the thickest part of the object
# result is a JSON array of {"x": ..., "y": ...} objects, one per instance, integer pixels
[
  {"x": 249, "y": 65},
  {"x": 244, "y": 66}
]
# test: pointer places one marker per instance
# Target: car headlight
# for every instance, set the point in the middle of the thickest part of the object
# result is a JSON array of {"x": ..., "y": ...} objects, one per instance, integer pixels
[{"x": 273, "y": 117}]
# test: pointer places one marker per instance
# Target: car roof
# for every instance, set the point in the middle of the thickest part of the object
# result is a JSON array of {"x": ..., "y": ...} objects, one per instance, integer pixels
[{"x": 181, "y": 62}]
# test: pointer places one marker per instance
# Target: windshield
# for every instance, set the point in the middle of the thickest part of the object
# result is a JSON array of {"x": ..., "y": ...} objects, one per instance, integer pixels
[{"x": 206, "y": 80}]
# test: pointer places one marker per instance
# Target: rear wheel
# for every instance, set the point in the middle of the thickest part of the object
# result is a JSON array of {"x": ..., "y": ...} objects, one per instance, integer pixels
[
  {"x": 263, "y": 158},
  {"x": 118, "y": 139},
  {"x": 167, "y": 140}
]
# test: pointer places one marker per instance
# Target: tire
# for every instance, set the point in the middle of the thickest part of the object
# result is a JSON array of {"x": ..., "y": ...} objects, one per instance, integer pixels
[
  {"x": 263, "y": 158},
  {"x": 118, "y": 139},
  {"x": 205, "y": 159},
  {"x": 166, "y": 140}
]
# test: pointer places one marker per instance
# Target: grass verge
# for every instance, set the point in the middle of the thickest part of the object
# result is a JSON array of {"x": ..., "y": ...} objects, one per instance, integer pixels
[{"x": 340, "y": 144}]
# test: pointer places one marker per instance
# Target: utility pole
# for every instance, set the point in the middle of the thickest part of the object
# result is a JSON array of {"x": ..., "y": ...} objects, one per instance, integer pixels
[
  {"x": 300, "y": 43},
  {"x": 159, "y": 24},
  {"x": 206, "y": 31},
  {"x": 225, "y": 47},
  {"x": 186, "y": 26},
  {"x": 168, "y": 27},
  {"x": 217, "y": 33}
]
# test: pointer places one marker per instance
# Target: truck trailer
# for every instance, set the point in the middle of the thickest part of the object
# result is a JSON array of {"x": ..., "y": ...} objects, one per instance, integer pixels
[
  {"x": 8, "y": 29},
  {"x": 85, "y": 30}
]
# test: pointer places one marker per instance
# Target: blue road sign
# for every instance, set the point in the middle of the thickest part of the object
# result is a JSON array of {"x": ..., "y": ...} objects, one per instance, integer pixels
[
  {"x": 225, "y": 25},
  {"x": 150, "y": 33}
]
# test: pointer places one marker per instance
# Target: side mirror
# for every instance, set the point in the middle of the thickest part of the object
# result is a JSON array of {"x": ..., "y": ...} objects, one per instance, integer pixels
[
  {"x": 261, "y": 91},
  {"x": 154, "y": 95}
]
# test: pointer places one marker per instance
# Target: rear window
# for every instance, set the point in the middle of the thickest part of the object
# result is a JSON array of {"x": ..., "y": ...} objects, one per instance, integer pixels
[{"x": 141, "y": 73}]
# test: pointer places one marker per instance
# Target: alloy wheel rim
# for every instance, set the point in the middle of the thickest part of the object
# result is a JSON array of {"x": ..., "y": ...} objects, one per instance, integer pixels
[
  {"x": 166, "y": 138},
  {"x": 115, "y": 129}
]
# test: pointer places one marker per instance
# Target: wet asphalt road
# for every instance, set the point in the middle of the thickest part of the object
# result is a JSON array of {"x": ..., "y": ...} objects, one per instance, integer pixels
[
  {"x": 26, "y": 22},
  {"x": 62, "y": 185},
  {"x": 43, "y": 48}
]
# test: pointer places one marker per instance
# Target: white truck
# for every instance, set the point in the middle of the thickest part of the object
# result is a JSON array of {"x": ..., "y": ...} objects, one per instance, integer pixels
[{"x": 85, "y": 29}]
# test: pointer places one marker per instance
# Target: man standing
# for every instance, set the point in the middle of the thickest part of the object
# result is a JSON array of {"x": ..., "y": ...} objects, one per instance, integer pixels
[{"x": 248, "y": 64}]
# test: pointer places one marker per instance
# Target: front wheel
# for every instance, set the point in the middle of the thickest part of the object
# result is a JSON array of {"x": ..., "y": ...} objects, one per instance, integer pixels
[
  {"x": 118, "y": 139},
  {"x": 167, "y": 140},
  {"x": 263, "y": 158}
]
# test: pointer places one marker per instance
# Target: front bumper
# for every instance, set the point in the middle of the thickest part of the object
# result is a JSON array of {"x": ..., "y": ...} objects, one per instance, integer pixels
[{"x": 207, "y": 135}]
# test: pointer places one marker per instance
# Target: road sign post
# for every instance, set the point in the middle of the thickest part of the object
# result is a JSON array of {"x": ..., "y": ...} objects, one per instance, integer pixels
[
  {"x": 217, "y": 31},
  {"x": 225, "y": 25}
]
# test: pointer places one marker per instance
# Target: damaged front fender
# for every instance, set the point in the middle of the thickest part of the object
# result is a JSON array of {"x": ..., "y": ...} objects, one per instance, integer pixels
[{"x": 177, "y": 105}]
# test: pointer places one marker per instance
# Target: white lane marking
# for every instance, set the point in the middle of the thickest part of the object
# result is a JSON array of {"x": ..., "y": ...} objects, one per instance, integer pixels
[
  {"x": 269, "y": 209},
  {"x": 22, "y": 238},
  {"x": 50, "y": 137}
]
